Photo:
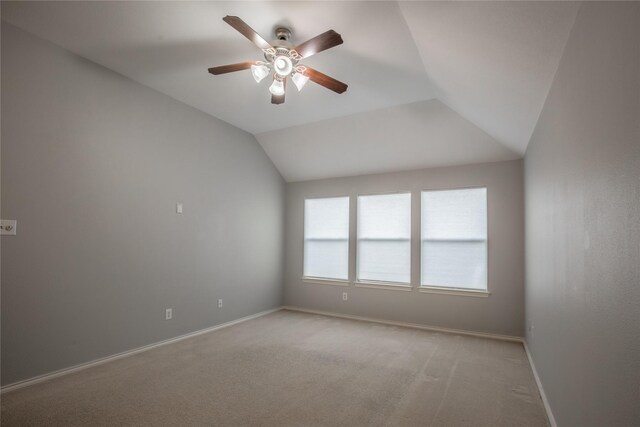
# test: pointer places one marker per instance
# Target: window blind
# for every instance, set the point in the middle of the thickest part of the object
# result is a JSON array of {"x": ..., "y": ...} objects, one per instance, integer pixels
[
  {"x": 454, "y": 238},
  {"x": 326, "y": 238},
  {"x": 384, "y": 238}
]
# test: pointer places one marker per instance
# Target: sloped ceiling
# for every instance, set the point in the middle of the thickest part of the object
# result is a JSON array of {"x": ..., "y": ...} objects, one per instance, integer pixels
[
  {"x": 492, "y": 62},
  {"x": 411, "y": 136},
  {"x": 430, "y": 83}
]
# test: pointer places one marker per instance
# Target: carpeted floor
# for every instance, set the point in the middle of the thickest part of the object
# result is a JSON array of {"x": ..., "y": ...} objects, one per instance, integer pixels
[{"x": 296, "y": 369}]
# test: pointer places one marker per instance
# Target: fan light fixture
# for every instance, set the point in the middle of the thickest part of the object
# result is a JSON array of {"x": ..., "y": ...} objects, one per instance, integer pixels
[
  {"x": 259, "y": 71},
  {"x": 282, "y": 57},
  {"x": 282, "y": 65},
  {"x": 299, "y": 80},
  {"x": 277, "y": 87}
]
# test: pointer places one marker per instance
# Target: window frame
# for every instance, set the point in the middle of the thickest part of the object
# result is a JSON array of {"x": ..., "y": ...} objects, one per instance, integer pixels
[
  {"x": 326, "y": 280},
  {"x": 448, "y": 289},
  {"x": 381, "y": 284}
]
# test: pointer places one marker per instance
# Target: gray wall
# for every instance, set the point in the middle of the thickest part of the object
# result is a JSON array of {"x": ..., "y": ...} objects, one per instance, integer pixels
[
  {"x": 583, "y": 224},
  {"x": 502, "y": 312},
  {"x": 92, "y": 167}
]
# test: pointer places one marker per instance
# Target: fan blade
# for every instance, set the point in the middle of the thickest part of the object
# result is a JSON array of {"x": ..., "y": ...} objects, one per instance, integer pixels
[
  {"x": 319, "y": 43},
  {"x": 324, "y": 80},
  {"x": 247, "y": 31},
  {"x": 279, "y": 99},
  {"x": 223, "y": 69}
]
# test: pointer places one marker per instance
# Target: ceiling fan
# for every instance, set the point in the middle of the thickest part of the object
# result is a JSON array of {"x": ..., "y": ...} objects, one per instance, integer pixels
[{"x": 283, "y": 58}]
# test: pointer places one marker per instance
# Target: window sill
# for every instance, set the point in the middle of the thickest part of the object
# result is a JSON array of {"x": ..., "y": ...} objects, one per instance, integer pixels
[
  {"x": 321, "y": 281},
  {"x": 454, "y": 291},
  {"x": 387, "y": 286}
]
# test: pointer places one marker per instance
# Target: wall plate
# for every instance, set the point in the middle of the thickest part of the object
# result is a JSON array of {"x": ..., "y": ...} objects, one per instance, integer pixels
[{"x": 8, "y": 227}]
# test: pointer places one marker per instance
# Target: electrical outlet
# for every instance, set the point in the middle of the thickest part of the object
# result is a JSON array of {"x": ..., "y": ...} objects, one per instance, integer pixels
[
  {"x": 220, "y": 303},
  {"x": 168, "y": 314},
  {"x": 530, "y": 325},
  {"x": 179, "y": 208},
  {"x": 345, "y": 296}
]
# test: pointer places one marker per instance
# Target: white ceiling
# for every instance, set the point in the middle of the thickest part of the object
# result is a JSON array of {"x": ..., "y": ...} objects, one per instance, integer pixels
[
  {"x": 485, "y": 69},
  {"x": 492, "y": 62},
  {"x": 411, "y": 136}
]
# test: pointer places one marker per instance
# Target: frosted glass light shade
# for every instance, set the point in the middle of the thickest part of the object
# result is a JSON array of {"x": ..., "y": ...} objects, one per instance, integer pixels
[
  {"x": 299, "y": 80},
  {"x": 277, "y": 88},
  {"x": 259, "y": 72},
  {"x": 282, "y": 65}
]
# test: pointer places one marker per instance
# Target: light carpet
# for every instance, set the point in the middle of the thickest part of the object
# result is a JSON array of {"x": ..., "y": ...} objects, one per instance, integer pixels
[{"x": 296, "y": 369}]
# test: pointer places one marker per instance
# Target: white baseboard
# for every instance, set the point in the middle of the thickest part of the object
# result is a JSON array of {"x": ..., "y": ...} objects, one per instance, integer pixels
[
  {"x": 45, "y": 377},
  {"x": 545, "y": 402},
  {"x": 408, "y": 325}
]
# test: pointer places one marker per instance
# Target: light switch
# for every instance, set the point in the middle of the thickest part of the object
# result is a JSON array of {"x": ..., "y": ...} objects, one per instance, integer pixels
[
  {"x": 8, "y": 227},
  {"x": 179, "y": 208}
]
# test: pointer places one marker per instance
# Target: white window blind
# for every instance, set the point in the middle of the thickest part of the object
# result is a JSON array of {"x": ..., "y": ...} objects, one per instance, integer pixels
[
  {"x": 384, "y": 238},
  {"x": 326, "y": 238},
  {"x": 454, "y": 238}
]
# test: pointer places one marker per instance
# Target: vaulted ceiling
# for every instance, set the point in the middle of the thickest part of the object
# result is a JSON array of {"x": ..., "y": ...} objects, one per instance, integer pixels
[{"x": 430, "y": 83}]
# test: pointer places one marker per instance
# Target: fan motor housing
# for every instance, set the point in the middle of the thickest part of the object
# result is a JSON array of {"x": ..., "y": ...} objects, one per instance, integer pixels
[{"x": 283, "y": 34}]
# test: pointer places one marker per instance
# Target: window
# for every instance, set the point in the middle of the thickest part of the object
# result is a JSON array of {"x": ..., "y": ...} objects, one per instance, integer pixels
[
  {"x": 326, "y": 238},
  {"x": 454, "y": 239},
  {"x": 384, "y": 238}
]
